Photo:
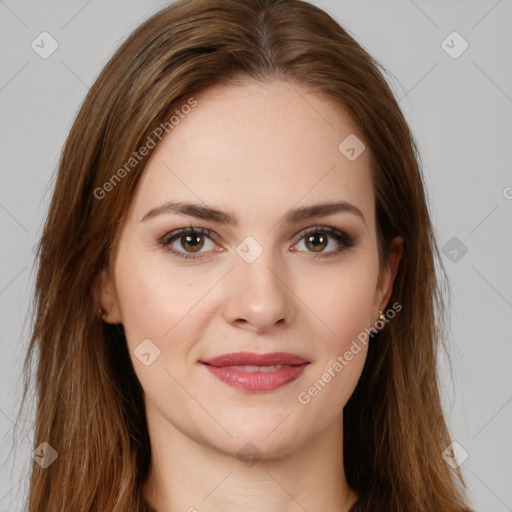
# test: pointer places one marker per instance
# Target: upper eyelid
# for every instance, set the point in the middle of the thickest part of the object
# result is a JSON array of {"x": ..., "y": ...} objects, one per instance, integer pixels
[{"x": 178, "y": 233}]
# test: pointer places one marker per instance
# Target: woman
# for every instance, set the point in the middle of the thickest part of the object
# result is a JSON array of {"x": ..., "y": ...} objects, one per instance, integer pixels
[{"x": 237, "y": 305}]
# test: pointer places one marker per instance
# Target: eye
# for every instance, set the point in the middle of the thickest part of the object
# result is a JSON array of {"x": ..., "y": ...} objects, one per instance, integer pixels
[
  {"x": 187, "y": 239},
  {"x": 317, "y": 238},
  {"x": 187, "y": 242}
]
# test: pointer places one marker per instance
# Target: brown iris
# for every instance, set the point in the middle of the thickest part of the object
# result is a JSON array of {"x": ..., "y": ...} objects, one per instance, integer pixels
[
  {"x": 194, "y": 241},
  {"x": 320, "y": 246}
]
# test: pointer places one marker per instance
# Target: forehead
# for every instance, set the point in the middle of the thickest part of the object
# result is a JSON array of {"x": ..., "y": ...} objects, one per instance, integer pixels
[{"x": 258, "y": 146}]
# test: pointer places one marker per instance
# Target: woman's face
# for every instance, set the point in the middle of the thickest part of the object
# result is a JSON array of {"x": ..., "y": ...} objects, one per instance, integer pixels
[{"x": 263, "y": 155}]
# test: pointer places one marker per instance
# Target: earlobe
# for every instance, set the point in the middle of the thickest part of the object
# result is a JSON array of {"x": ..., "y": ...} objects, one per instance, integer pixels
[{"x": 107, "y": 305}]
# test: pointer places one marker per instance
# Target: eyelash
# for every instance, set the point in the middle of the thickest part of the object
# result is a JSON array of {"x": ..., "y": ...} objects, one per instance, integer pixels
[{"x": 344, "y": 240}]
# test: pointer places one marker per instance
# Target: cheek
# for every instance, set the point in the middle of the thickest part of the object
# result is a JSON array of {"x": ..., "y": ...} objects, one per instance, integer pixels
[
  {"x": 152, "y": 298},
  {"x": 157, "y": 304},
  {"x": 167, "y": 305},
  {"x": 343, "y": 301},
  {"x": 342, "y": 347},
  {"x": 321, "y": 400},
  {"x": 344, "y": 306}
]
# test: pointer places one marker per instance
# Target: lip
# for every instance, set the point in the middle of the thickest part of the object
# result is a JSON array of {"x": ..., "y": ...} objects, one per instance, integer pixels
[
  {"x": 254, "y": 359},
  {"x": 227, "y": 369}
]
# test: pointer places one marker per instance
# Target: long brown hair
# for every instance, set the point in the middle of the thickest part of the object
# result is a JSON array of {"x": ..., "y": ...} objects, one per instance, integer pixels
[{"x": 89, "y": 402}]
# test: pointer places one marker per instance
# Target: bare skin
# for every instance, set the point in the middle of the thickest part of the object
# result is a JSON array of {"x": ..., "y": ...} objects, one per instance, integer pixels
[{"x": 256, "y": 151}]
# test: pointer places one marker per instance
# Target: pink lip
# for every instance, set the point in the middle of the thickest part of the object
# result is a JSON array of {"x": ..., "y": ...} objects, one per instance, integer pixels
[{"x": 223, "y": 367}]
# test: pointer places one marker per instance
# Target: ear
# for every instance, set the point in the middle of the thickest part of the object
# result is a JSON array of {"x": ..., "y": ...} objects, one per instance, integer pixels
[
  {"x": 387, "y": 275},
  {"x": 108, "y": 299}
]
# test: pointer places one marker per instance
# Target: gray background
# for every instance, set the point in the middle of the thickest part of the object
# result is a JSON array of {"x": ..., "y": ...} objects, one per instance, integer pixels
[{"x": 459, "y": 110}]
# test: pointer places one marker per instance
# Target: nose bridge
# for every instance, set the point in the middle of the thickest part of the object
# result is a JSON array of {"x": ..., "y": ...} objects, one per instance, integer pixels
[{"x": 258, "y": 294}]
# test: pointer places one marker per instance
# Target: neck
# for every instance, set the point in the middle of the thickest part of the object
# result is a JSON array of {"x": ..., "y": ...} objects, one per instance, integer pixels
[{"x": 188, "y": 475}]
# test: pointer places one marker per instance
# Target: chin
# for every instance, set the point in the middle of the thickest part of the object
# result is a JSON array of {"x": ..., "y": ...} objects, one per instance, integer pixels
[{"x": 256, "y": 442}]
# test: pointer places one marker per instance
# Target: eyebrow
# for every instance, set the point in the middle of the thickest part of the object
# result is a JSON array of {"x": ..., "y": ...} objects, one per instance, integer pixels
[{"x": 201, "y": 211}]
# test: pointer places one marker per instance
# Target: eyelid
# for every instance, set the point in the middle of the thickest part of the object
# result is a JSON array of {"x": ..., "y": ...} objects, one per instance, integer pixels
[
  {"x": 187, "y": 231},
  {"x": 330, "y": 230}
]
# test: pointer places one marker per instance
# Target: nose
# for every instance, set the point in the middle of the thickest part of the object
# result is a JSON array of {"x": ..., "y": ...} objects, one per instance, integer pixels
[{"x": 257, "y": 294}]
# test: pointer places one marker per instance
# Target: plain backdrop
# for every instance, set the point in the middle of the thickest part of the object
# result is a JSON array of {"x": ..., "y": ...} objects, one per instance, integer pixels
[{"x": 456, "y": 93}]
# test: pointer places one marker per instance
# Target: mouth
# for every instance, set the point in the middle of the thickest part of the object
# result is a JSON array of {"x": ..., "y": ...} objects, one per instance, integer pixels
[{"x": 253, "y": 372}]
